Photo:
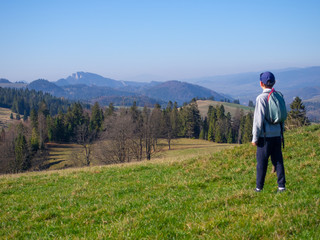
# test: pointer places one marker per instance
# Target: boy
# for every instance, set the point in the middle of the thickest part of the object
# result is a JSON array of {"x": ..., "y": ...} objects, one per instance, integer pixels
[{"x": 267, "y": 136}]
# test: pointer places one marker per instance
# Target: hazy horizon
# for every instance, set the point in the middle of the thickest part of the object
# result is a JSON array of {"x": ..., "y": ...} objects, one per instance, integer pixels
[
  {"x": 149, "y": 78},
  {"x": 162, "y": 40}
]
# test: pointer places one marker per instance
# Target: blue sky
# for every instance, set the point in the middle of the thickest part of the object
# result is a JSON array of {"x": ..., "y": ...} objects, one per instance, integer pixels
[{"x": 164, "y": 40}]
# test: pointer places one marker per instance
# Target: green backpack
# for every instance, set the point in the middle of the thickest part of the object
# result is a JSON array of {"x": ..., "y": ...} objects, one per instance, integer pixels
[{"x": 277, "y": 111}]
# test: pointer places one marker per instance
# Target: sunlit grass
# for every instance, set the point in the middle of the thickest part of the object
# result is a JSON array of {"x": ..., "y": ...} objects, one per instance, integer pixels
[
  {"x": 5, "y": 120},
  {"x": 203, "y": 197}
]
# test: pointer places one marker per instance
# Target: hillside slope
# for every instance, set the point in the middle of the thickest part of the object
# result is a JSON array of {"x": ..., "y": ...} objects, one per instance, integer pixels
[
  {"x": 5, "y": 120},
  {"x": 181, "y": 92},
  {"x": 47, "y": 87},
  {"x": 205, "y": 197},
  {"x": 232, "y": 108}
]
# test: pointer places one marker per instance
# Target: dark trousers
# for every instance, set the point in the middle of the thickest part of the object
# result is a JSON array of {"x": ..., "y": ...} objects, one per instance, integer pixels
[{"x": 269, "y": 147}]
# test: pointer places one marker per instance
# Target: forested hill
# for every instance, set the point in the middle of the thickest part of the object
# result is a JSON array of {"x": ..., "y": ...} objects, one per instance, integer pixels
[
  {"x": 23, "y": 100},
  {"x": 182, "y": 92}
]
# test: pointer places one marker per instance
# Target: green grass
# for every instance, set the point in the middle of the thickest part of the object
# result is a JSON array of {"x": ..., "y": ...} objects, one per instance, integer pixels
[{"x": 207, "y": 196}]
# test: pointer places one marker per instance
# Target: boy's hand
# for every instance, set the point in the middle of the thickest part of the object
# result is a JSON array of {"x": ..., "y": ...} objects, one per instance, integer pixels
[{"x": 254, "y": 144}]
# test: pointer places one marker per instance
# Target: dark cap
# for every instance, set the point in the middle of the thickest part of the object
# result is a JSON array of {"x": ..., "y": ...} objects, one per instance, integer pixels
[{"x": 267, "y": 78}]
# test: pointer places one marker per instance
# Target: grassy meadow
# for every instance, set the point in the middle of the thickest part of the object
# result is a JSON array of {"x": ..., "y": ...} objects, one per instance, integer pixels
[
  {"x": 5, "y": 117},
  {"x": 190, "y": 193}
]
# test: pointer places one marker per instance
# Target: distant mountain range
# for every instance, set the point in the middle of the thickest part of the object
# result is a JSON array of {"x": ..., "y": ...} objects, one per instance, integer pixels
[
  {"x": 292, "y": 82},
  {"x": 92, "y": 87},
  {"x": 89, "y": 79},
  {"x": 3, "y": 80}
]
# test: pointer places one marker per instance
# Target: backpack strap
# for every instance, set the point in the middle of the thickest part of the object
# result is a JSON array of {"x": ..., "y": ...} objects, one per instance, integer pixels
[{"x": 272, "y": 91}]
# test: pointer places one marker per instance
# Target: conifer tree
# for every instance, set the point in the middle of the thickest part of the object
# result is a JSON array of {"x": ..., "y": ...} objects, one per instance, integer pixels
[
  {"x": 297, "y": 116},
  {"x": 219, "y": 138},
  {"x": 174, "y": 118},
  {"x": 25, "y": 116},
  {"x": 21, "y": 161},
  {"x": 166, "y": 125},
  {"x": 96, "y": 118},
  {"x": 34, "y": 141},
  {"x": 212, "y": 118},
  {"x": 238, "y": 125},
  {"x": 59, "y": 128},
  {"x": 247, "y": 130},
  {"x": 192, "y": 120},
  {"x": 229, "y": 136},
  {"x": 211, "y": 131},
  {"x": 221, "y": 125},
  {"x": 110, "y": 110},
  {"x": 34, "y": 118},
  {"x": 169, "y": 106},
  {"x": 228, "y": 132},
  {"x": 134, "y": 111},
  {"x": 204, "y": 129}
]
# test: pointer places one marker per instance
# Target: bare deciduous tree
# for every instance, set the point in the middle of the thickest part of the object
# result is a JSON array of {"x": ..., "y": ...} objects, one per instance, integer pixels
[
  {"x": 85, "y": 138},
  {"x": 43, "y": 130},
  {"x": 117, "y": 140}
]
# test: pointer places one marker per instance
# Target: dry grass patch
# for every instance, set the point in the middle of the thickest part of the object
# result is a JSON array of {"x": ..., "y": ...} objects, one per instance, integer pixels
[
  {"x": 203, "y": 106},
  {"x": 5, "y": 120}
]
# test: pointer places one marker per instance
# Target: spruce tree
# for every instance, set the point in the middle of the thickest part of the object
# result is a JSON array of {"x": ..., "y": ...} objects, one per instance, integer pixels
[
  {"x": 25, "y": 116},
  {"x": 34, "y": 118},
  {"x": 21, "y": 161},
  {"x": 247, "y": 131},
  {"x": 34, "y": 140},
  {"x": 212, "y": 118},
  {"x": 211, "y": 131},
  {"x": 110, "y": 110},
  {"x": 297, "y": 117},
  {"x": 229, "y": 136},
  {"x": 219, "y": 138},
  {"x": 174, "y": 118},
  {"x": 96, "y": 118}
]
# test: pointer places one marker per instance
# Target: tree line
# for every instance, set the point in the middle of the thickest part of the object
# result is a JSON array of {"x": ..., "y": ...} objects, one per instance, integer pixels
[
  {"x": 121, "y": 135},
  {"x": 124, "y": 135},
  {"x": 22, "y": 101}
]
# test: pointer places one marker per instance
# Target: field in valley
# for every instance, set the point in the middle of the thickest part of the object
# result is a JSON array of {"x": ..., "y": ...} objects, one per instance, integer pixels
[
  {"x": 67, "y": 155},
  {"x": 203, "y": 106}
]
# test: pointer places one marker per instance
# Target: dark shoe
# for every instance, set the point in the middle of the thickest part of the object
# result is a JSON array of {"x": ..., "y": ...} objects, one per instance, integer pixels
[
  {"x": 280, "y": 190},
  {"x": 257, "y": 190}
]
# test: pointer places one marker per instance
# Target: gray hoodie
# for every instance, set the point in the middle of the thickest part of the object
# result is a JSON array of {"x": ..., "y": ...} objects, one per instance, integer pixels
[{"x": 272, "y": 130}]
